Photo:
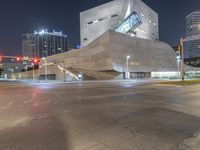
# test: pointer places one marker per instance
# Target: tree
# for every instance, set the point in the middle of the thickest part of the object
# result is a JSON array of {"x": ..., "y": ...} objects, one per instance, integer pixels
[{"x": 1, "y": 71}]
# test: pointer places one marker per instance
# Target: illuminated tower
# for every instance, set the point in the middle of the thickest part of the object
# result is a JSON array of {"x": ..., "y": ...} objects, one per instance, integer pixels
[{"x": 44, "y": 43}]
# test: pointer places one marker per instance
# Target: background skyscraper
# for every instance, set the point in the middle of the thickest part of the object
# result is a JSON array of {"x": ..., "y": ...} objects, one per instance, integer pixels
[
  {"x": 192, "y": 48},
  {"x": 44, "y": 43}
]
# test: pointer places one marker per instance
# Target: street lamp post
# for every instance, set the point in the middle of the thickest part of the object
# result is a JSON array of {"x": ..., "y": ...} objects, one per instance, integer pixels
[
  {"x": 127, "y": 60},
  {"x": 178, "y": 64},
  {"x": 33, "y": 71},
  {"x": 26, "y": 72},
  {"x": 64, "y": 71},
  {"x": 182, "y": 61},
  {"x": 45, "y": 65}
]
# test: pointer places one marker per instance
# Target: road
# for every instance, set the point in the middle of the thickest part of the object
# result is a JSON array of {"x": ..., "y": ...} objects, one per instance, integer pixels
[{"x": 133, "y": 115}]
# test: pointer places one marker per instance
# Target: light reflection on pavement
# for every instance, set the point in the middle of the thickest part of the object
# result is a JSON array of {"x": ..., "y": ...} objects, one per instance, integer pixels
[{"x": 138, "y": 115}]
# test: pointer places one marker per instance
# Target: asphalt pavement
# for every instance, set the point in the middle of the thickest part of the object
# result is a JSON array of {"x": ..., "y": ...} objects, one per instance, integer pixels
[{"x": 117, "y": 115}]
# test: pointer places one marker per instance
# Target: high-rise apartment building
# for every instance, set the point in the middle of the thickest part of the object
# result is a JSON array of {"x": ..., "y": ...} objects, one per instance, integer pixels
[
  {"x": 29, "y": 45},
  {"x": 44, "y": 43},
  {"x": 192, "y": 48}
]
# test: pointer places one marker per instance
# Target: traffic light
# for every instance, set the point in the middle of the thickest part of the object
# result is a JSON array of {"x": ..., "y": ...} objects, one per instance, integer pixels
[
  {"x": 18, "y": 58},
  {"x": 179, "y": 49},
  {"x": 35, "y": 60}
]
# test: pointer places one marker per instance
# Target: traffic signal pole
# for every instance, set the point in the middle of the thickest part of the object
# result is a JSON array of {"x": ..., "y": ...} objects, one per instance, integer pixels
[
  {"x": 33, "y": 71},
  {"x": 21, "y": 59}
]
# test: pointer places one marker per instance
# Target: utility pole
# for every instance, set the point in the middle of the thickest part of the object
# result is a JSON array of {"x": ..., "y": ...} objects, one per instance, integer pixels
[
  {"x": 64, "y": 71},
  {"x": 182, "y": 61},
  {"x": 127, "y": 67},
  {"x": 45, "y": 68},
  {"x": 33, "y": 67},
  {"x": 26, "y": 72}
]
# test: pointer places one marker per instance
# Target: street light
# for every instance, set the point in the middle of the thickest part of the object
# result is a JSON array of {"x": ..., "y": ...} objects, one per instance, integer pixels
[
  {"x": 45, "y": 65},
  {"x": 178, "y": 64},
  {"x": 33, "y": 67},
  {"x": 182, "y": 60},
  {"x": 26, "y": 68},
  {"x": 127, "y": 60},
  {"x": 64, "y": 71}
]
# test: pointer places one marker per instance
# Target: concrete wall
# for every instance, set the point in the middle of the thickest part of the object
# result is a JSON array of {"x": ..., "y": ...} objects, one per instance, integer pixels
[
  {"x": 96, "y": 21},
  {"x": 39, "y": 74},
  {"x": 95, "y": 56},
  {"x": 145, "y": 55},
  {"x": 109, "y": 53}
]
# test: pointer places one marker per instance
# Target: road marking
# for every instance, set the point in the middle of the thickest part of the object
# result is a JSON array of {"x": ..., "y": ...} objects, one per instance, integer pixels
[
  {"x": 32, "y": 98},
  {"x": 57, "y": 94},
  {"x": 7, "y": 106},
  {"x": 109, "y": 95},
  {"x": 192, "y": 143}
]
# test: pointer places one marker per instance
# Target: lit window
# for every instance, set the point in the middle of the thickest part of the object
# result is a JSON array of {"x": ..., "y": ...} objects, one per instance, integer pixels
[
  {"x": 95, "y": 21},
  {"x": 129, "y": 23},
  {"x": 142, "y": 15}
]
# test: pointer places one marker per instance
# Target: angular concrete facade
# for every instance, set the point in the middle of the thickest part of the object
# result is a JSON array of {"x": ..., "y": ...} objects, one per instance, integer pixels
[
  {"x": 108, "y": 55},
  {"x": 96, "y": 21},
  {"x": 117, "y": 38}
]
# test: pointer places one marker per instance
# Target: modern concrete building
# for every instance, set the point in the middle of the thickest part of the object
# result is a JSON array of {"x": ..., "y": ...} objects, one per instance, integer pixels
[
  {"x": 192, "y": 47},
  {"x": 113, "y": 54},
  {"x": 131, "y": 17},
  {"x": 119, "y": 40},
  {"x": 44, "y": 43}
]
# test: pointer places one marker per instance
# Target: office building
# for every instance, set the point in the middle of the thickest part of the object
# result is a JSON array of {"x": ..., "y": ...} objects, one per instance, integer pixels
[
  {"x": 192, "y": 47},
  {"x": 29, "y": 45},
  {"x": 44, "y": 43}
]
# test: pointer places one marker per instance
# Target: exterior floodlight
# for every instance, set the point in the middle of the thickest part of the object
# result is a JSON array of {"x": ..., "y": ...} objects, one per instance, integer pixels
[
  {"x": 178, "y": 57},
  {"x": 41, "y": 32}
]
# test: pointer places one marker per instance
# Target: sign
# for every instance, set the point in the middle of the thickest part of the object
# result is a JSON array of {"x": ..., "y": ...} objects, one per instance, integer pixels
[
  {"x": 26, "y": 58},
  {"x": 192, "y": 38}
]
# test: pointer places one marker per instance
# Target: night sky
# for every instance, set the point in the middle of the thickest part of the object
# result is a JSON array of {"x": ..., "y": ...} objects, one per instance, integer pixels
[{"x": 25, "y": 16}]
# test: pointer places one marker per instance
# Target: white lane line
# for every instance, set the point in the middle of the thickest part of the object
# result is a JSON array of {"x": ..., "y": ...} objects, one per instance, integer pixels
[
  {"x": 54, "y": 100},
  {"x": 32, "y": 99},
  {"x": 59, "y": 97},
  {"x": 192, "y": 143},
  {"x": 7, "y": 106},
  {"x": 57, "y": 94}
]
